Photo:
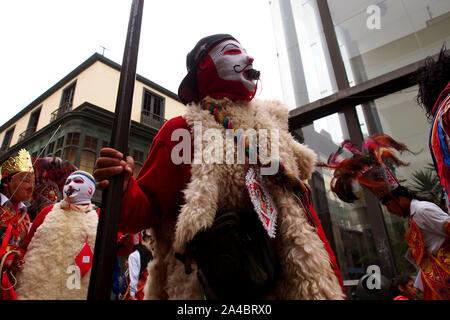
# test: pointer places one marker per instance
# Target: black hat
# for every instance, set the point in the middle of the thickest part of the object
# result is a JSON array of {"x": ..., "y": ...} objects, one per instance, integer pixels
[{"x": 188, "y": 90}]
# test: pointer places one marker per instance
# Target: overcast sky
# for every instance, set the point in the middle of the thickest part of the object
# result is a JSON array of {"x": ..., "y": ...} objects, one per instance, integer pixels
[{"x": 44, "y": 40}]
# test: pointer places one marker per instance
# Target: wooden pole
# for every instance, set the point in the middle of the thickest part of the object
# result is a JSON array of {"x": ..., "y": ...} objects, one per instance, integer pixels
[{"x": 106, "y": 242}]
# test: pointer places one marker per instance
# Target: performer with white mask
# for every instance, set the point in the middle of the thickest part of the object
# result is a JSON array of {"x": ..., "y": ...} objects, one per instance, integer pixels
[
  {"x": 60, "y": 245},
  {"x": 79, "y": 188}
]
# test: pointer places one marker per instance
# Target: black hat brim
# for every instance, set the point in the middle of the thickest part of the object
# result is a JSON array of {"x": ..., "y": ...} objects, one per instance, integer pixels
[{"x": 188, "y": 90}]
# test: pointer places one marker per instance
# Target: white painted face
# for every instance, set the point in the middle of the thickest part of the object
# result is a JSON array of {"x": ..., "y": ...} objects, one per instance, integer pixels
[
  {"x": 79, "y": 189},
  {"x": 232, "y": 63}
]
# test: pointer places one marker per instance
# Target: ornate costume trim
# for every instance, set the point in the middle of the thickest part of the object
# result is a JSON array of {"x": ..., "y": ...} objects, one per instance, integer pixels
[
  {"x": 438, "y": 143},
  {"x": 282, "y": 177},
  {"x": 414, "y": 239},
  {"x": 262, "y": 201},
  {"x": 435, "y": 271}
]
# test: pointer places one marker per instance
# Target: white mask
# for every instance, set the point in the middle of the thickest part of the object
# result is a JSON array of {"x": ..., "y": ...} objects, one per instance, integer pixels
[
  {"x": 232, "y": 63},
  {"x": 79, "y": 188}
]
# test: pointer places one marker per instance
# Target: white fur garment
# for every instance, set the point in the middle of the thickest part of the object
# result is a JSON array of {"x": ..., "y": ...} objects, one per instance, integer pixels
[{"x": 48, "y": 272}]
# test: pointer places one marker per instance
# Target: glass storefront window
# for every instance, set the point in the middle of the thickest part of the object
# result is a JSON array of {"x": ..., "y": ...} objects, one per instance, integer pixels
[
  {"x": 346, "y": 225},
  {"x": 399, "y": 116},
  {"x": 376, "y": 37},
  {"x": 402, "y": 118}
]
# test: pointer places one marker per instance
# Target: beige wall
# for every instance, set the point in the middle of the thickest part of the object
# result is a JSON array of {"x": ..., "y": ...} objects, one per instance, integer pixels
[
  {"x": 47, "y": 107},
  {"x": 97, "y": 85}
]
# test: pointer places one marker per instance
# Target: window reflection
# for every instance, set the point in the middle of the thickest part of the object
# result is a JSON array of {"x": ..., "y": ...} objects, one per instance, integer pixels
[{"x": 346, "y": 225}]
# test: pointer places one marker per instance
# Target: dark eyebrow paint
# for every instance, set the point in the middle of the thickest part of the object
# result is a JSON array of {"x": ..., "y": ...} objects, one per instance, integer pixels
[{"x": 230, "y": 44}]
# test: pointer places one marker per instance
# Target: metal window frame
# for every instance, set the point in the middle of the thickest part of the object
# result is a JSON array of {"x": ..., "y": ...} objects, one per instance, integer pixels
[
  {"x": 9, "y": 133},
  {"x": 153, "y": 96},
  {"x": 344, "y": 102}
]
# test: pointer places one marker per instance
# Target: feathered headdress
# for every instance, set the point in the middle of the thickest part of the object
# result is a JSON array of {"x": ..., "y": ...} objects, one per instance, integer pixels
[
  {"x": 370, "y": 166},
  {"x": 50, "y": 175}
]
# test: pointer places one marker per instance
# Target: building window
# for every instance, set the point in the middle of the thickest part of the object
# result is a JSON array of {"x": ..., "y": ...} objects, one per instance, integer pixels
[
  {"x": 58, "y": 153},
  {"x": 348, "y": 225},
  {"x": 152, "y": 103},
  {"x": 34, "y": 119},
  {"x": 67, "y": 98},
  {"x": 138, "y": 156},
  {"x": 51, "y": 148},
  {"x": 152, "y": 109},
  {"x": 157, "y": 104},
  {"x": 390, "y": 113},
  {"x": 73, "y": 138},
  {"x": 70, "y": 154},
  {"x": 60, "y": 143},
  {"x": 138, "y": 161},
  {"x": 41, "y": 153},
  {"x": 7, "y": 139},
  {"x": 90, "y": 142},
  {"x": 137, "y": 168},
  {"x": 87, "y": 161},
  {"x": 32, "y": 125}
]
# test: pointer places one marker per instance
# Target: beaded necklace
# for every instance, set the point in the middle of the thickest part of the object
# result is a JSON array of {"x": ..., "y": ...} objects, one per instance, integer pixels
[{"x": 283, "y": 177}]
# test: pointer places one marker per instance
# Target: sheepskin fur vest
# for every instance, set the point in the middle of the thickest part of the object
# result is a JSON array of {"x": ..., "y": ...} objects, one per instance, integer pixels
[
  {"x": 48, "y": 273},
  {"x": 220, "y": 187}
]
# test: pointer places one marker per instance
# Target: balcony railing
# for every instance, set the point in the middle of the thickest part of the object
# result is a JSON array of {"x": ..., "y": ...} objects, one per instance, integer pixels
[
  {"x": 27, "y": 133},
  {"x": 152, "y": 119},
  {"x": 63, "y": 109}
]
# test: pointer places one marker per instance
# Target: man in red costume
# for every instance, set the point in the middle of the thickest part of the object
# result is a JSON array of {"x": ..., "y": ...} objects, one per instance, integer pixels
[
  {"x": 428, "y": 225},
  {"x": 181, "y": 190},
  {"x": 428, "y": 239},
  {"x": 17, "y": 186},
  {"x": 60, "y": 244}
]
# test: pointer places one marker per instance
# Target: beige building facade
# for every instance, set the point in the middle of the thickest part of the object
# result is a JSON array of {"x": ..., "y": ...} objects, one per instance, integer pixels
[
  {"x": 73, "y": 119},
  {"x": 96, "y": 81}
]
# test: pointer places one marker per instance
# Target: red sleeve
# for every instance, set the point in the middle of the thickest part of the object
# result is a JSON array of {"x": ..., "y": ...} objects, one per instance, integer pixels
[
  {"x": 157, "y": 190},
  {"x": 324, "y": 239},
  {"x": 36, "y": 223}
]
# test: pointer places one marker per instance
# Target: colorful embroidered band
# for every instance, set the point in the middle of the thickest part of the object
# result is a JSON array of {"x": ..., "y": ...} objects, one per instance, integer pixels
[{"x": 283, "y": 177}]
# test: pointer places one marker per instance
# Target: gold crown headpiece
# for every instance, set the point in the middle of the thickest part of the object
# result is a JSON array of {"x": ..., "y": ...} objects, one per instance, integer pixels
[{"x": 19, "y": 163}]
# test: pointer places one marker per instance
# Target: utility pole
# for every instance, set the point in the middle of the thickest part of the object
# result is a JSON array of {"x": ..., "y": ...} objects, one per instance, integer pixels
[{"x": 106, "y": 241}]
